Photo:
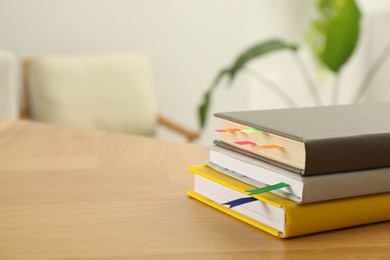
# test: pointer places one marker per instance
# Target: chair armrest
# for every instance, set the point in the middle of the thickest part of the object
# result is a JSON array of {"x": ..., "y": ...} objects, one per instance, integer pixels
[
  {"x": 25, "y": 112},
  {"x": 189, "y": 134}
]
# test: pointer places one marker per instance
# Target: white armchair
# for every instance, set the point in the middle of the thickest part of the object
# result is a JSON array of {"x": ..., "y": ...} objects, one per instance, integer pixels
[{"x": 107, "y": 92}]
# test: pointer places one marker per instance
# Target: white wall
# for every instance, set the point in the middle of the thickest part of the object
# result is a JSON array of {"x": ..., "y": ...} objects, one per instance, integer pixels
[
  {"x": 187, "y": 41},
  {"x": 379, "y": 40}
]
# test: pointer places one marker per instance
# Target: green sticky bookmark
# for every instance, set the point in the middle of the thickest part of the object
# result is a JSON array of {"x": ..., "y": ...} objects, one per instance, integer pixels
[
  {"x": 250, "y": 130},
  {"x": 268, "y": 188}
]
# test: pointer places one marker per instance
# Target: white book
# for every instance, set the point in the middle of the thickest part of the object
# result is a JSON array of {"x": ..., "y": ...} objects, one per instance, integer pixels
[{"x": 301, "y": 189}]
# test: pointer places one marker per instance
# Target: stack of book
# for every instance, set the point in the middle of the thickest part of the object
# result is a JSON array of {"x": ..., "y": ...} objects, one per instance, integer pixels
[{"x": 298, "y": 171}]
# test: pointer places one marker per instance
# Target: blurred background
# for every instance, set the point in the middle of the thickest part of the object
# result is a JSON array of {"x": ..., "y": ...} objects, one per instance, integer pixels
[{"x": 187, "y": 42}]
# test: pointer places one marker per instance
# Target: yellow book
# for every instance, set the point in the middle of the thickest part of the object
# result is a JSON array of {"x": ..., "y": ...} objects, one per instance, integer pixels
[{"x": 282, "y": 217}]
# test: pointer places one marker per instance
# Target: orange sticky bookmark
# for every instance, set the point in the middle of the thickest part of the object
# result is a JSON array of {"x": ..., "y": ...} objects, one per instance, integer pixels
[
  {"x": 228, "y": 130},
  {"x": 267, "y": 146}
]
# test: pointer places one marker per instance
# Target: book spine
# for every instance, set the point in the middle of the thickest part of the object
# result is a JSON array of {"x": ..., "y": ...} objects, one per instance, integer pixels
[
  {"x": 330, "y": 215},
  {"x": 345, "y": 185},
  {"x": 347, "y": 154}
]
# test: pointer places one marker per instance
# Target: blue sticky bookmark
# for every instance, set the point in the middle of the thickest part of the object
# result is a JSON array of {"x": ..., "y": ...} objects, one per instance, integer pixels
[{"x": 238, "y": 202}]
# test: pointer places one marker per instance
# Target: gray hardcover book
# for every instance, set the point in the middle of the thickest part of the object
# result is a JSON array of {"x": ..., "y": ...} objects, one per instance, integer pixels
[
  {"x": 315, "y": 140},
  {"x": 302, "y": 189}
]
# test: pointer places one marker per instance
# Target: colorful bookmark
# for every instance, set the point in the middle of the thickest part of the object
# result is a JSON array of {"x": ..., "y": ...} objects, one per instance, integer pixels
[
  {"x": 238, "y": 202},
  {"x": 267, "y": 146},
  {"x": 268, "y": 188},
  {"x": 228, "y": 130},
  {"x": 244, "y": 142},
  {"x": 250, "y": 130}
]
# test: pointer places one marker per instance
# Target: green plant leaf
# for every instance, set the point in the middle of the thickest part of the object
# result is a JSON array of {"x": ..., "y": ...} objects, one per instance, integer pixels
[
  {"x": 334, "y": 35},
  {"x": 203, "y": 109},
  {"x": 245, "y": 57},
  {"x": 204, "y": 106},
  {"x": 342, "y": 36},
  {"x": 257, "y": 51}
]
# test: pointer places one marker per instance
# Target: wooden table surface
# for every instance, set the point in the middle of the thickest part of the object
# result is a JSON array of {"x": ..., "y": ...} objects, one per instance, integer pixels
[{"x": 71, "y": 194}]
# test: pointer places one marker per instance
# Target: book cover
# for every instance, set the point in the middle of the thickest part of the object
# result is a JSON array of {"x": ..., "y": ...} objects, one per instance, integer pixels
[
  {"x": 325, "y": 139},
  {"x": 296, "y": 219},
  {"x": 302, "y": 189}
]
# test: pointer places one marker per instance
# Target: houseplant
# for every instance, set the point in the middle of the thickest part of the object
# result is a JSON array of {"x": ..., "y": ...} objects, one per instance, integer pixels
[{"x": 332, "y": 38}]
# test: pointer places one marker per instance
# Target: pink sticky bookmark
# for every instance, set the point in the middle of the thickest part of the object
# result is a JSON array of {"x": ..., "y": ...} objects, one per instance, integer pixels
[{"x": 244, "y": 142}]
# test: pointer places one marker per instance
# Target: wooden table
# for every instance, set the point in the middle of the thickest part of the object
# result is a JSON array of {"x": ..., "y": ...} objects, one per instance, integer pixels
[{"x": 67, "y": 193}]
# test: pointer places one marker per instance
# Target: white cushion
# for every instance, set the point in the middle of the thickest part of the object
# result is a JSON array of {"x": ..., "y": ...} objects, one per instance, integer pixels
[{"x": 108, "y": 92}]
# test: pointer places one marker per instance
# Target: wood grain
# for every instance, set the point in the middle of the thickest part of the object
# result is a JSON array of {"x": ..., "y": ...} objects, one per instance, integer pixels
[{"x": 73, "y": 194}]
